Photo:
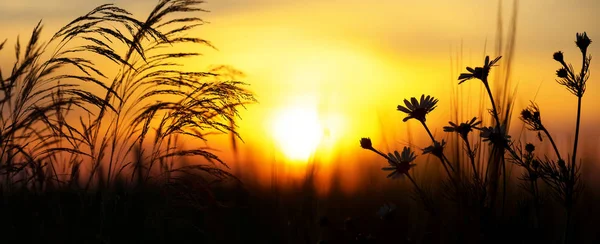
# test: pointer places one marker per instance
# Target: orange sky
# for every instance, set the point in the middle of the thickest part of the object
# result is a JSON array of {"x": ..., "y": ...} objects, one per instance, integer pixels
[{"x": 354, "y": 60}]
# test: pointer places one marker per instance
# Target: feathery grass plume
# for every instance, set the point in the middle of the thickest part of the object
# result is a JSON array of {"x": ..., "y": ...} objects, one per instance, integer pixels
[
  {"x": 31, "y": 105},
  {"x": 149, "y": 87},
  {"x": 155, "y": 89}
]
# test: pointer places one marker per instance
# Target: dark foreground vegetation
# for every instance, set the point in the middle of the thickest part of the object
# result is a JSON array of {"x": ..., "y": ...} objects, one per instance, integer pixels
[{"x": 90, "y": 152}]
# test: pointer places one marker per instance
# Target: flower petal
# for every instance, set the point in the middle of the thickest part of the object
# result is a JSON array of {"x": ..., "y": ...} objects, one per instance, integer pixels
[
  {"x": 414, "y": 102},
  {"x": 403, "y": 109},
  {"x": 409, "y": 105}
]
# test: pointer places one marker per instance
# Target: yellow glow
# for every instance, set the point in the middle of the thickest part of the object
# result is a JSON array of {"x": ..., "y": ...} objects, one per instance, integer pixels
[{"x": 297, "y": 132}]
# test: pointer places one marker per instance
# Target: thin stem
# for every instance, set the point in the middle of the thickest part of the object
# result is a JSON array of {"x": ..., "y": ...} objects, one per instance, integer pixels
[
  {"x": 472, "y": 158},
  {"x": 447, "y": 171},
  {"x": 494, "y": 110},
  {"x": 574, "y": 158},
  {"x": 571, "y": 179},
  {"x": 380, "y": 153},
  {"x": 428, "y": 131},
  {"x": 504, "y": 183},
  {"x": 495, "y": 114},
  {"x": 552, "y": 142}
]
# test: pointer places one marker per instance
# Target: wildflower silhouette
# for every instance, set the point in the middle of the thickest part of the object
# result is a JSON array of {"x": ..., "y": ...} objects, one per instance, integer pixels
[
  {"x": 531, "y": 117},
  {"x": 582, "y": 41},
  {"x": 480, "y": 73},
  {"x": 562, "y": 73},
  {"x": 495, "y": 136},
  {"x": 464, "y": 128},
  {"x": 560, "y": 175},
  {"x": 576, "y": 84},
  {"x": 400, "y": 163},
  {"x": 436, "y": 149},
  {"x": 529, "y": 148},
  {"x": 366, "y": 143},
  {"x": 418, "y": 109},
  {"x": 559, "y": 56}
]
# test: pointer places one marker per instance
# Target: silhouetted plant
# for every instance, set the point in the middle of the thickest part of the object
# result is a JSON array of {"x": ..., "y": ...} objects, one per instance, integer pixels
[
  {"x": 563, "y": 178},
  {"x": 53, "y": 118},
  {"x": 463, "y": 130},
  {"x": 400, "y": 165}
]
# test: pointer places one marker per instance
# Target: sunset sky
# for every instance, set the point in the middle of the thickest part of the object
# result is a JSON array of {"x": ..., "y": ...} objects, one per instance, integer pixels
[{"x": 353, "y": 61}]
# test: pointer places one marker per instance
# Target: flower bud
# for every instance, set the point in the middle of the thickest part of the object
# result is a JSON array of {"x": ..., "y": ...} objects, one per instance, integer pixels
[
  {"x": 529, "y": 148},
  {"x": 558, "y": 56},
  {"x": 526, "y": 114},
  {"x": 583, "y": 41},
  {"x": 366, "y": 143},
  {"x": 562, "y": 73}
]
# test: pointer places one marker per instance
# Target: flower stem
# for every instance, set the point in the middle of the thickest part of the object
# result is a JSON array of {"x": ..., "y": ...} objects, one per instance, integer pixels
[
  {"x": 552, "y": 142},
  {"x": 571, "y": 179},
  {"x": 472, "y": 158},
  {"x": 497, "y": 118},
  {"x": 574, "y": 158},
  {"x": 380, "y": 153},
  {"x": 494, "y": 109}
]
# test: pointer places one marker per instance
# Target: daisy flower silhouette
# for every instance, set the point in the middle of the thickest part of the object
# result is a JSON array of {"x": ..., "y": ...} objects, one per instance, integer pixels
[{"x": 418, "y": 109}]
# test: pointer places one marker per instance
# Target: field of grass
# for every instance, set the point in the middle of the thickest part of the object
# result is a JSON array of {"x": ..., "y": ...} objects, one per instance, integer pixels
[{"x": 93, "y": 121}]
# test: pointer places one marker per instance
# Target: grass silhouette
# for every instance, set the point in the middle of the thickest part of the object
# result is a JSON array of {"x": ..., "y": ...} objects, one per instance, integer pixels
[{"x": 92, "y": 121}]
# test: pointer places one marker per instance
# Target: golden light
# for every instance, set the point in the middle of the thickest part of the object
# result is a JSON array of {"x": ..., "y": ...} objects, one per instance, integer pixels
[{"x": 298, "y": 132}]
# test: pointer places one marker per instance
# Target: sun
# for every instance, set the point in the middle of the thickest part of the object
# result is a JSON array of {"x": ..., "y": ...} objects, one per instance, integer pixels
[{"x": 298, "y": 132}]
